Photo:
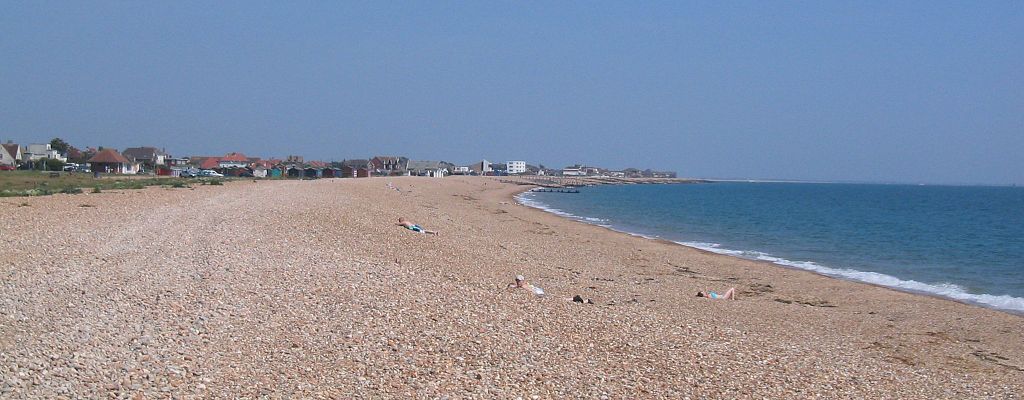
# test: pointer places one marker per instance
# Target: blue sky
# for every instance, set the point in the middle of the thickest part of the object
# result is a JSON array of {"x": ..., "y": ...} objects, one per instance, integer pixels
[{"x": 867, "y": 91}]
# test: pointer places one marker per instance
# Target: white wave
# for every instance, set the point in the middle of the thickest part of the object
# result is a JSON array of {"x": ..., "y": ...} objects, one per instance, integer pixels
[
  {"x": 948, "y": 290},
  {"x": 526, "y": 199}
]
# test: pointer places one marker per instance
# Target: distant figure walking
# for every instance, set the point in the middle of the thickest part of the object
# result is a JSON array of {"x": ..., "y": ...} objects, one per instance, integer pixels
[
  {"x": 729, "y": 294},
  {"x": 413, "y": 227}
]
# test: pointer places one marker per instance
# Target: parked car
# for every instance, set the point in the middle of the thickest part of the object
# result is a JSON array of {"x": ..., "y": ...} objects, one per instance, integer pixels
[
  {"x": 6, "y": 168},
  {"x": 211, "y": 173}
]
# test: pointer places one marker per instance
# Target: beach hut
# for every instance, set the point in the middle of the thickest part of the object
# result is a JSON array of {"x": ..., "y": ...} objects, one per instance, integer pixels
[
  {"x": 356, "y": 168},
  {"x": 275, "y": 172},
  {"x": 311, "y": 173},
  {"x": 109, "y": 160},
  {"x": 294, "y": 172},
  {"x": 329, "y": 173}
]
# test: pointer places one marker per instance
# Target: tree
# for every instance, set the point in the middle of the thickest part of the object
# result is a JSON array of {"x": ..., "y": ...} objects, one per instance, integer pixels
[
  {"x": 60, "y": 145},
  {"x": 75, "y": 155},
  {"x": 53, "y": 164}
]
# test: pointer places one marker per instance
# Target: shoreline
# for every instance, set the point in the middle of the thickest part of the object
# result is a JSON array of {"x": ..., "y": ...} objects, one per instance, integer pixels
[{"x": 976, "y": 303}]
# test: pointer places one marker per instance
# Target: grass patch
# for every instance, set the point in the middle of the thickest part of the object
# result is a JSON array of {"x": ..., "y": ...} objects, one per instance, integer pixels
[{"x": 37, "y": 183}]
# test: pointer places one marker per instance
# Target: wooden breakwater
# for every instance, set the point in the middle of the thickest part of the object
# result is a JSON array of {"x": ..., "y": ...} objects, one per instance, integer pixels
[{"x": 579, "y": 181}]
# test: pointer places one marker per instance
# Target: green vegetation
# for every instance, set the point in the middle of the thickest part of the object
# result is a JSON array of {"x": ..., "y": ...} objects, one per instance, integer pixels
[
  {"x": 36, "y": 183},
  {"x": 60, "y": 145},
  {"x": 46, "y": 164}
]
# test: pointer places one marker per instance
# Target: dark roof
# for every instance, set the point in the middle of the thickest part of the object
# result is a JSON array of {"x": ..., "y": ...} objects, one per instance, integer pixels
[
  {"x": 109, "y": 156},
  {"x": 12, "y": 149},
  {"x": 416, "y": 165},
  {"x": 142, "y": 153},
  {"x": 359, "y": 163}
]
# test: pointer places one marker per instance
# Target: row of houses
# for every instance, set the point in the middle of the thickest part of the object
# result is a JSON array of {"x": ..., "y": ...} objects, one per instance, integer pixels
[
  {"x": 137, "y": 159},
  {"x": 150, "y": 159},
  {"x": 583, "y": 170}
]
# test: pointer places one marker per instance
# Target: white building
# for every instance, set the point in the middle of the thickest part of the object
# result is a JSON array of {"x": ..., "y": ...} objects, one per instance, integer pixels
[
  {"x": 573, "y": 171},
  {"x": 482, "y": 167},
  {"x": 38, "y": 151},
  {"x": 515, "y": 167},
  {"x": 433, "y": 169},
  {"x": 10, "y": 154}
]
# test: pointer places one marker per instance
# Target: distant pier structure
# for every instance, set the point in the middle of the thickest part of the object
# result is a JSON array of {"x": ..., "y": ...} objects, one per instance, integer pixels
[
  {"x": 556, "y": 190},
  {"x": 568, "y": 184},
  {"x": 544, "y": 182}
]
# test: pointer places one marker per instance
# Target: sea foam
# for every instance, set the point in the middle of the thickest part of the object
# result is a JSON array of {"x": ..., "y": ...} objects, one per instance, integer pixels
[{"x": 948, "y": 290}]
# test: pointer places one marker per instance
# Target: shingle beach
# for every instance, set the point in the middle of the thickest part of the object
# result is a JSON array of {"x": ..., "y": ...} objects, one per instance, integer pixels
[{"x": 309, "y": 289}]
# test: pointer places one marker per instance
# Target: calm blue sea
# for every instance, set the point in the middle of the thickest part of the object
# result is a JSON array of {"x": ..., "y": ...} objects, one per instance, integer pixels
[{"x": 961, "y": 242}]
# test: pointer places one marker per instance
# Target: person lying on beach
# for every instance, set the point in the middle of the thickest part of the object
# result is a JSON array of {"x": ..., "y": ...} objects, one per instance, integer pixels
[
  {"x": 413, "y": 227},
  {"x": 521, "y": 283},
  {"x": 729, "y": 294}
]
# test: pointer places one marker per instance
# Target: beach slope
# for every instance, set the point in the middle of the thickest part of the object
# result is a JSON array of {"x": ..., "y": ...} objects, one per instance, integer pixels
[{"x": 309, "y": 289}]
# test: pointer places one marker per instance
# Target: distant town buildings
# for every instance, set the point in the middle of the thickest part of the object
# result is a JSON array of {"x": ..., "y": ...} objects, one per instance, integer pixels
[
  {"x": 233, "y": 160},
  {"x": 149, "y": 157},
  {"x": 573, "y": 171},
  {"x": 481, "y": 168},
  {"x": 37, "y": 151},
  {"x": 110, "y": 161},
  {"x": 10, "y": 154},
  {"x": 358, "y": 168},
  {"x": 156, "y": 160},
  {"x": 433, "y": 169},
  {"x": 388, "y": 165},
  {"x": 515, "y": 167}
]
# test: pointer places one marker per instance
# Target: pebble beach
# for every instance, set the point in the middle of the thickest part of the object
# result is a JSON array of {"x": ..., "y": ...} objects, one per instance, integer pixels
[{"x": 309, "y": 289}]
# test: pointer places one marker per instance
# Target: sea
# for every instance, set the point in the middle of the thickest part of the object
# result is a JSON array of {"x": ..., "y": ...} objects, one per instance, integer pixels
[{"x": 960, "y": 242}]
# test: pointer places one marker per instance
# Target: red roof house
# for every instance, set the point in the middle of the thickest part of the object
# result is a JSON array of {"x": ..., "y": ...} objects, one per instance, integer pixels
[
  {"x": 234, "y": 160},
  {"x": 210, "y": 163},
  {"x": 109, "y": 160}
]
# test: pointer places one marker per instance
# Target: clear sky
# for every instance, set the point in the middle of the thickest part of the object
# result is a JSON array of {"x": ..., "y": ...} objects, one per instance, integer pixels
[{"x": 928, "y": 91}]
